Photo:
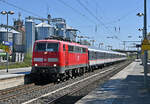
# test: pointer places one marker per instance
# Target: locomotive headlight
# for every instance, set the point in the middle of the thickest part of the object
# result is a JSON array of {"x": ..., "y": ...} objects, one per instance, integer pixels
[
  {"x": 36, "y": 65},
  {"x": 55, "y": 65}
]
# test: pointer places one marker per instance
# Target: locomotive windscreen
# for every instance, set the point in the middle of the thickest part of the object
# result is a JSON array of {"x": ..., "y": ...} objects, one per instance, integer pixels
[{"x": 50, "y": 47}]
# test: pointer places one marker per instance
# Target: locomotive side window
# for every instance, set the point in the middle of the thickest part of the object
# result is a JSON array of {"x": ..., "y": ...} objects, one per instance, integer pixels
[
  {"x": 64, "y": 49},
  {"x": 70, "y": 48},
  {"x": 80, "y": 50},
  {"x": 40, "y": 47},
  {"x": 77, "y": 49},
  {"x": 52, "y": 47},
  {"x": 84, "y": 50}
]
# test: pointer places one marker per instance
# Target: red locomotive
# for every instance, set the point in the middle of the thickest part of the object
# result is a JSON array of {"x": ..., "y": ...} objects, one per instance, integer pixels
[{"x": 56, "y": 59}]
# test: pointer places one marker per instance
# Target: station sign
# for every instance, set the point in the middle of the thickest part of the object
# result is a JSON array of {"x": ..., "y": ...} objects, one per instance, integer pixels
[
  {"x": 2, "y": 47},
  {"x": 6, "y": 48},
  {"x": 7, "y": 43},
  {"x": 145, "y": 45}
]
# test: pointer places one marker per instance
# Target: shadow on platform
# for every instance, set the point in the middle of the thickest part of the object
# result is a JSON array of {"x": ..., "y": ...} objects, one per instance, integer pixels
[
  {"x": 128, "y": 91},
  {"x": 22, "y": 72}
]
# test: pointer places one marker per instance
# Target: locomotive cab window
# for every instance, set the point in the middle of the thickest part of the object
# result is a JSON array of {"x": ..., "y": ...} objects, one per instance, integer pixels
[
  {"x": 40, "y": 47},
  {"x": 52, "y": 47}
]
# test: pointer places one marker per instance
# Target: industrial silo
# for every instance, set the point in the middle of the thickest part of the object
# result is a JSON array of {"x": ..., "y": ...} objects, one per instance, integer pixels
[
  {"x": 3, "y": 35},
  {"x": 17, "y": 37},
  {"x": 61, "y": 32},
  {"x": 30, "y": 35},
  {"x": 44, "y": 30},
  {"x": 60, "y": 25},
  {"x": 71, "y": 33}
]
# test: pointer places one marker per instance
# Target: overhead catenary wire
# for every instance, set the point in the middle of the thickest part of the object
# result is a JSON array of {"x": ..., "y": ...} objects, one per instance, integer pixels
[
  {"x": 126, "y": 15},
  {"x": 91, "y": 13},
  {"x": 75, "y": 10},
  {"x": 94, "y": 16},
  {"x": 15, "y": 6},
  {"x": 123, "y": 17}
]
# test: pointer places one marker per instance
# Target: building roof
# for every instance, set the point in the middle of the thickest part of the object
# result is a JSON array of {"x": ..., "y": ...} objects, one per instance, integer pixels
[
  {"x": 70, "y": 28},
  {"x": 2, "y": 29},
  {"x": 29, "y": 20},
  {"x": 14, "y": 31},
  {"x": 43, "y": 25}
]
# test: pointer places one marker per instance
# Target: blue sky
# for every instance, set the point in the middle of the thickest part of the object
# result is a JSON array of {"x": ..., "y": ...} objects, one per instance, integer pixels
[{"x": 105, "y": 14}]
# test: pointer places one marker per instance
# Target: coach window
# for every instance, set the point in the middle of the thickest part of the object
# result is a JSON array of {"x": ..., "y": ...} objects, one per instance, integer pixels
[
  {"x": 97, "y": 55},
  {"x": 94, "y": 55},
  {"x": 91, "y": 55},
  {"x": 103, "y": 55},
  {"x": 113, "y": 56},
  {"x": 100, "y": 55}
]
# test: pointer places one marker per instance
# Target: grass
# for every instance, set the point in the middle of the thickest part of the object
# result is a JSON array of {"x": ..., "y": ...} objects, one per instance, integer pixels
[{"x": 26, "y": 63}]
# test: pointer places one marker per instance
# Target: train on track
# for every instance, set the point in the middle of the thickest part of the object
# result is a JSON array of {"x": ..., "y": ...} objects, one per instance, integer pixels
[{"x": 57, "y": 59}]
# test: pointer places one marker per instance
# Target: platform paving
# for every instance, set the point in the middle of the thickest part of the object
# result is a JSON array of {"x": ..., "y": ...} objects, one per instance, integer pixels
[
  {"x": 126, "y": 87},
  {"x": 14, "y": 77},
  {"x": 14, "y": 72}
]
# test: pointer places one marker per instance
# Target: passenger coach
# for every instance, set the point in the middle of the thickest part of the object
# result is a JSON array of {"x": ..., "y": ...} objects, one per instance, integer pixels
[{"x": 100, "y": 57}]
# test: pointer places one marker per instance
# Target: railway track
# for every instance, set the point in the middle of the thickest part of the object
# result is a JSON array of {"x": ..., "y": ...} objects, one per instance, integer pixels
[
  {"x": 5, "y": 95},
  {"x": 40, "y": 92},
  {"x": 10, "y": 90},
  {"x": 63, "y": 98}
]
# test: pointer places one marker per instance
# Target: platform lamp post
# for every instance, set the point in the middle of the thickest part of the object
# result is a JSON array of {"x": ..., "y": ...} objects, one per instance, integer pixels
[
  {"x": 145, "y": 37},
  {"x": 7, "y": 13},
  {"x": 93, "y": 42},
  {"x": 100, "y": 45}
]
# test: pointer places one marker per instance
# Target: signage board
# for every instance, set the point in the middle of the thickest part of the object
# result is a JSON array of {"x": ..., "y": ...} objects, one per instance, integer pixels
[
  {"x": 7, "y": 43},
  {"x": 145, "y": 45}
]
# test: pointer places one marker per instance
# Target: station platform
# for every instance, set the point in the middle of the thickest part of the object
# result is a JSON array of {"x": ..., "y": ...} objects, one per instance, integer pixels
[
  {"x": 14, "y": 72},
  {"x": 14, "y": 77},
  {"x": 126, "y": 87}
]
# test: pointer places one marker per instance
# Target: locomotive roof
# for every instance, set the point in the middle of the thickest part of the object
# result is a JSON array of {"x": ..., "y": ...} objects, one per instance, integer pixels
[
  {"x": 100, "y": 50},
  {"x": 64, "y": 42}
]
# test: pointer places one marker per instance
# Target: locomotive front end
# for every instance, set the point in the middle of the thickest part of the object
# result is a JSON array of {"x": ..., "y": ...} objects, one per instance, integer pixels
[{"x": 45, "y": 58}]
